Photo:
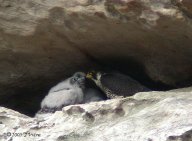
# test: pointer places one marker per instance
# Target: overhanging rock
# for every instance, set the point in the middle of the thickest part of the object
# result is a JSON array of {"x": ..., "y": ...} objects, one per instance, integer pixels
[{"x": 43, "y": 42}]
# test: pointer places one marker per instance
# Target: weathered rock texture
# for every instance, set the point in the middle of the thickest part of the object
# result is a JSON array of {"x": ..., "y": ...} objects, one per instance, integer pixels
[
  {"x": 44, "y": 41},
  {"x": 147, "y": 116}
]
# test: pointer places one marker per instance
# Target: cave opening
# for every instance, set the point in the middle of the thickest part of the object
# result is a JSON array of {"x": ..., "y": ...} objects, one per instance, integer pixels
[
  {"x": 38, "y": 52},
  {"x": 26, "y": 99},
  {"x": 44, "y": 59}
]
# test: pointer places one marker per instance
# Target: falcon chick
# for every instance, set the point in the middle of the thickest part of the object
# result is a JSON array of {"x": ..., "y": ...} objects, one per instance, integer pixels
[
  {"x": 69, "y": 92},
  {"x": 116, "y": 84}
]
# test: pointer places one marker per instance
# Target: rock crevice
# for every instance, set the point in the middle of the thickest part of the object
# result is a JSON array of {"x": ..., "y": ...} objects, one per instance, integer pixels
[{"x": 44, "y": 42}]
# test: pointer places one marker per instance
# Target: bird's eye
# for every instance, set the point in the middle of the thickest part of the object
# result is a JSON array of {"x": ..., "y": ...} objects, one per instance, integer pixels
[
  {"x": 79, "y": 76},
  {"x": 74, "y": 79}
]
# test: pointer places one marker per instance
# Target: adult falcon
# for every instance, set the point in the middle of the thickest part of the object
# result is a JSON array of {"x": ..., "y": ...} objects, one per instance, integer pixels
[{"x": 116, "y": 84}]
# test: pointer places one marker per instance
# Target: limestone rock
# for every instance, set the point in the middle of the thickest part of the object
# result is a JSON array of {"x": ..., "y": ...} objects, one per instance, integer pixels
[
  {"x": 45, "y": 41},
  {"x": 147, "y": 116}
]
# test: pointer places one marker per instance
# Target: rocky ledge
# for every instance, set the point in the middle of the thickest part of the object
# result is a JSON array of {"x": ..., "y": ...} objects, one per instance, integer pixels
[
  {"x": 146, "y": 116},
  {"x": 45, "y": 41}
]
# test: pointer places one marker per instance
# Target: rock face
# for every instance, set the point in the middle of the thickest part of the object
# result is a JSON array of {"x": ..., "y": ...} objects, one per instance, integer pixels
[
  {"x": 44, "y": 41},
  {"x": 147, "y": 116}
]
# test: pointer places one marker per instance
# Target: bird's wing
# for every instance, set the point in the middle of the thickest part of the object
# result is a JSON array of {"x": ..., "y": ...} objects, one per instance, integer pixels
[
  {"x": 121, "y": 84},
  {"x": 59, "y": 98}
]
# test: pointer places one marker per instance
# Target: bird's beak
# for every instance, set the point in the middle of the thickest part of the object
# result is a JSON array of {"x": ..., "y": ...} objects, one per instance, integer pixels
[{"x": 89, "y": 75}]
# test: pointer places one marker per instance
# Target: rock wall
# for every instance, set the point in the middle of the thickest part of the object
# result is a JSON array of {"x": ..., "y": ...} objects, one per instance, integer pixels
[{"x": 44, "y": 41}]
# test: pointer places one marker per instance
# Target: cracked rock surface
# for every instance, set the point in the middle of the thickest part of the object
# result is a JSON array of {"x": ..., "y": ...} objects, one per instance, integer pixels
[
  {"x": 44, "y": 41},
  {"x": 146, "y": 116}
]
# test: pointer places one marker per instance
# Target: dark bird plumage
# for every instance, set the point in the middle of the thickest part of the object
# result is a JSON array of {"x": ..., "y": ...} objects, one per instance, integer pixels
[{"x": 116, "y": 84}]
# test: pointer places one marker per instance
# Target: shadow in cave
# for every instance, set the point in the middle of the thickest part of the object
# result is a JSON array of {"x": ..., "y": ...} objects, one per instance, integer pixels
[
  {"x": 27, "y": 99},
  {"x": 133, "y": 69}
]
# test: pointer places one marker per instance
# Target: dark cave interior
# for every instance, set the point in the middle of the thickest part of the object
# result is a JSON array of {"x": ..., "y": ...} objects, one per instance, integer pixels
[{"x": 27, "y": 99}]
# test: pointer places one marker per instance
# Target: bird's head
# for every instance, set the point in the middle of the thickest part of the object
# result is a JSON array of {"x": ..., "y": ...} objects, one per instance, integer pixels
[
  {"x": 78, "y": 79},
  {"x": 95, "y": 76}
]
